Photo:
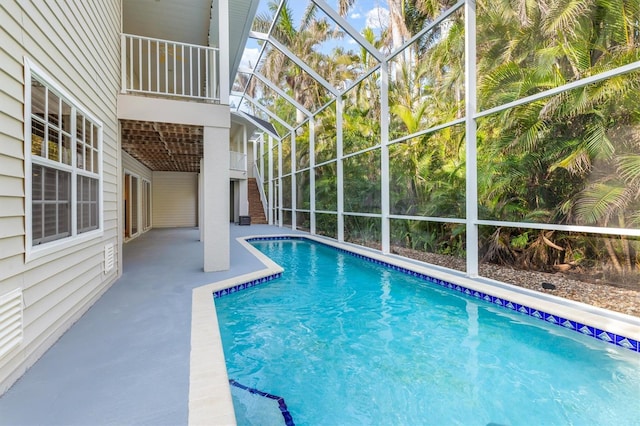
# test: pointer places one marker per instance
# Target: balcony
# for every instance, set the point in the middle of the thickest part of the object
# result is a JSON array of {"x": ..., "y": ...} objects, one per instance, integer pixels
[
  {"x": 237, "y": 161},
  {"x": 155, "y": 67}
]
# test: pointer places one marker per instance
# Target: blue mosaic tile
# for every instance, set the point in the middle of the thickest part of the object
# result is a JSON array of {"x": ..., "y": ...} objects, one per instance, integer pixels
[
  {"x": 571, "y": 325},
  {"x": 286, "y": 415},
  {"x": 585, "y": 329},
  {"x": 627, "y": 343},
  {"x": 605, "y": 336},
  {"x": 244, "y": 286}
]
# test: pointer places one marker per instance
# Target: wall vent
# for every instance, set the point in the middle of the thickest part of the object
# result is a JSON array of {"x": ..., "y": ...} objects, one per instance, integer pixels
[
  {"x": 10, "y": 321},
  {"x": 109, "y": 257}
]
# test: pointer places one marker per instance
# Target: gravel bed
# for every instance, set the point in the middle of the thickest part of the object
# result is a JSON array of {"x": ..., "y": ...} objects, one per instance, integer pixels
[{"x": 624, "y": 300}]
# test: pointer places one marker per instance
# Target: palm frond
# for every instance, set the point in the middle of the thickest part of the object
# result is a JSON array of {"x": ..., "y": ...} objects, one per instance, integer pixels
[
  {"x": 576, "y": 162},
  {"x": 597, "y": 203},
  {"x": 564, "y": 16},
  {"x": 629, "y": 167},
  {"x": 596, "y": 140}
]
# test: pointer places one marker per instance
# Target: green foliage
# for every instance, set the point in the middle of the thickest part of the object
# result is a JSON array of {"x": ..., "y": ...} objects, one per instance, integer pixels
[{"x": 571, "y": 158}]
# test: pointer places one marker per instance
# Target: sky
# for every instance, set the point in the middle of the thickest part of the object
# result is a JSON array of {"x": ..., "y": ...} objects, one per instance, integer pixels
[{"x": 364, "y": 13}]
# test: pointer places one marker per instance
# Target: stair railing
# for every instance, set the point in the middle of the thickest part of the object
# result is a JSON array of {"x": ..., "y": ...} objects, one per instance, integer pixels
[{"x": 263, "y": 197}]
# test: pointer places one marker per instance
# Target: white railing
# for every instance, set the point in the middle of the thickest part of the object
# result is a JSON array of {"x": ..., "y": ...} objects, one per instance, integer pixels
[
  {"x": 237, "y": 161},
  {"x": 168, "y": 68},
  {"x": 263, "y": 197}
]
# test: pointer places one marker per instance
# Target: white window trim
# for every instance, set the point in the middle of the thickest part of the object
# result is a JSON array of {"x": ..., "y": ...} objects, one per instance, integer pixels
[
  {"x": 150, "y": 208},
  {"x": 36, "y": 252}
]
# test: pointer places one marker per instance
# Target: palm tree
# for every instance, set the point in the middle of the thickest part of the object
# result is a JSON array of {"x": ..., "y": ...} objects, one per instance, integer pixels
[
  {"x": 302, "y": 41},
  {"x": 555, "y": 160}
]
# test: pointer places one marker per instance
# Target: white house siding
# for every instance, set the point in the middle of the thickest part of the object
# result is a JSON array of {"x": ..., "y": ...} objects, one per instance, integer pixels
[
  {"x": 133, "y": 166},
  {"x": 77, "y": 45},
  {"x": 175, "y": 199}
]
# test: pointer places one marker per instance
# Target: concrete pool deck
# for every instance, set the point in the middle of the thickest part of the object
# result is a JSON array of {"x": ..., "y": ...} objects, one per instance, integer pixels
[
  {"x": 126, "y": 361},
  {"x": 148, "y": 351}
]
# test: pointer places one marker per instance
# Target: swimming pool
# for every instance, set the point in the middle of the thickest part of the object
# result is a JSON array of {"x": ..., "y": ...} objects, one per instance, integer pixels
[{"x": 345, "y": 341}]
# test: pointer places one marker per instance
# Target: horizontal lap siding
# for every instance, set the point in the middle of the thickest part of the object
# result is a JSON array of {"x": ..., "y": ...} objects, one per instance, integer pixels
[
  {"x": 175, "y": 199},
  {"x": 77, "y": 44},
  {"x": 133, "y": 166}
]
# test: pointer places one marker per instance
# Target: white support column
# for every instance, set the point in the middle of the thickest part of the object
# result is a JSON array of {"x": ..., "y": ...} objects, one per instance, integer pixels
[
  {"x": 244, "y": 148},
  {"x": 216, "y": 199},
  {"x": 312, "y": 175},
  {"x": 270, "y": 178},
  {"x": 201, "y": 200},
  {"x": 243, "y": 184},
  {"x": 223, "y": 37},
  {"x": 280, "y": 219},
  {"x": 243, "y": 197},
  {"x": 294, "y": 189},
  {"x": 123, "y": 70},
  {"x": 471, "y": 140},
  {"x": 261, "y": 158},
  {"x": 384, "y": 157},
  {"x": 339, "y": 169}
]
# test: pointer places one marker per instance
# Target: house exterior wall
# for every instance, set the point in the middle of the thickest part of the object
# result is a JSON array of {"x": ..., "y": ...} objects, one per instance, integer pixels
[
  {"x": 72, "y": 42},
  {"x": 175, "y": 199},
  {"x": 135, "y": 167}
]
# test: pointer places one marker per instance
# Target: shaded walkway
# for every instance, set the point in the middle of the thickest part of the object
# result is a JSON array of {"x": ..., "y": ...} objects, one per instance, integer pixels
[{"x": 126, "y": 361}]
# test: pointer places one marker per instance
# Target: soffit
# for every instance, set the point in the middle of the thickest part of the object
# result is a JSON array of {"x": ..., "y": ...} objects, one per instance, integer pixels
[
  {"x": 186, "y": 21},
  {"x": 191, "y": 21},
  {"x": 163, "y": 146}
]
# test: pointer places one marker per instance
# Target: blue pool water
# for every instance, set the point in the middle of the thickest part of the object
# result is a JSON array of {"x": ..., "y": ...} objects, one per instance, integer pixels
[{"x": 347, "y": 342}]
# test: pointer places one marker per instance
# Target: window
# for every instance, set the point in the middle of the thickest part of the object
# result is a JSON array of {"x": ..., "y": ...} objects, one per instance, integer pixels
[{"x": 65, "y": 161}]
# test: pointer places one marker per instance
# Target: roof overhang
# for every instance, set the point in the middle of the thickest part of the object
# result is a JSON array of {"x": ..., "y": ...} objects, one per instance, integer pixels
[{"x": 253, "y": 123}]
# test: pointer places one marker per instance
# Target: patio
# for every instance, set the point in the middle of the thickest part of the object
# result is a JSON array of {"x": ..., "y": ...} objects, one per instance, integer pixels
[{"x": 126, "y": 361}]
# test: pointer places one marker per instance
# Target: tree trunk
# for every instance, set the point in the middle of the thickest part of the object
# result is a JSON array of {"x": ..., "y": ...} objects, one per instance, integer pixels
[{"x": 612, "y": 255}]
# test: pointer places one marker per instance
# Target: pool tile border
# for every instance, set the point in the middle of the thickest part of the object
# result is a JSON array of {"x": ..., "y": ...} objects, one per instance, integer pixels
[
  {"x": 282, "y": 405},
  {"x": 243, "y": 286},
  {"x": 557, "y": 320}
]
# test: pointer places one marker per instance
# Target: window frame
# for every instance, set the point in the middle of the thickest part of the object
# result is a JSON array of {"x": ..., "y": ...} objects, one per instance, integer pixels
[
  {"x": 146, "y": 205},
  {"x": 129, "y": 213},
  {"x": 31, "y": 70}
]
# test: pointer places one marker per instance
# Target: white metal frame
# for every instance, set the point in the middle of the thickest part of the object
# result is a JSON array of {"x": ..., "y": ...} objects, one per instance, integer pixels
[{"x": 471, "y": 220}]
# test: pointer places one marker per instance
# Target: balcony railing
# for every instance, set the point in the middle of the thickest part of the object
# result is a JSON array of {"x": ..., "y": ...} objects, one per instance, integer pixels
[
  {"x": 237, "y": 161},
  {"x": 169, "y": 69}
]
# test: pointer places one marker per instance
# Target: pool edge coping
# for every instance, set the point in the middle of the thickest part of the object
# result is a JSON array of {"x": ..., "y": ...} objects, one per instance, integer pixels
[{"x": 209, "y": 388}]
